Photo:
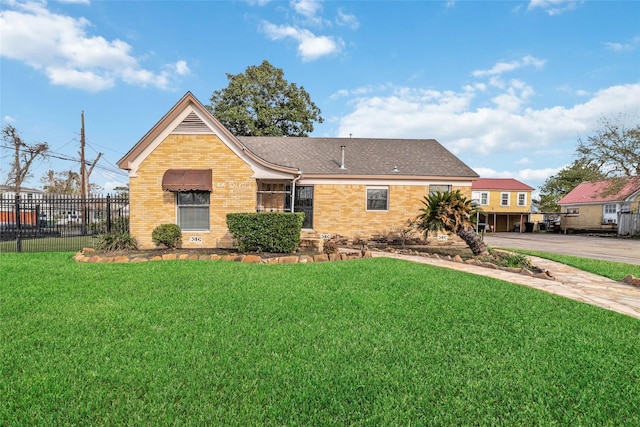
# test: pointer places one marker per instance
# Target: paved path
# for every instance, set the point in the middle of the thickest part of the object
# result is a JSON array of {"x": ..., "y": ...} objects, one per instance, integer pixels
[
  {"x": 605, "y": 248},
  {"x": 570, "y": 282}
]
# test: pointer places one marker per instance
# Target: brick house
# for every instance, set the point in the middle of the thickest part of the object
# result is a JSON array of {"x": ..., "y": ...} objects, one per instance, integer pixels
[
  {"x": 505, "y": 203},
  {"x": 190, "y": 170},
  {"x": 597, "y": 205}
]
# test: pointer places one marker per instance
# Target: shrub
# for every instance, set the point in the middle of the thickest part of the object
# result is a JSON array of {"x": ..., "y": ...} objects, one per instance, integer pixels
[
  {"x": 115, "y": 242},
  {"x": 330, "y": 247},
  {"x": 517, "y": 260},
  {"x": 169, "y": 235},
  {"x": 275, "y": 232},
  {"x": 511, "y": 259},
  {"x": 118, "y": 225}
]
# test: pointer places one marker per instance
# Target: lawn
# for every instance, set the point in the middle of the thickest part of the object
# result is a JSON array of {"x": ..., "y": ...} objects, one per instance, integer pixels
[
  {"x": 364, "y": 342},
  {"x": 613, "y": 270}
]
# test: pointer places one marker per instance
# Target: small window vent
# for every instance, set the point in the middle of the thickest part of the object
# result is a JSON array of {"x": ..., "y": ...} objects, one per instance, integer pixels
[{"x": 192, "y": 124}]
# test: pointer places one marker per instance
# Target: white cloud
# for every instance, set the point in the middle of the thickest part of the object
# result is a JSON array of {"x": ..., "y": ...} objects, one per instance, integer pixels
[
  {"x": 525, "y": 175},
  {"x": 503, "y": 67},
  {"x": 554, "y": 7},
  {"x": 359, "y": 91},
  {"x": 306, "y": 8},
  {"x": 347, "y": 20},
  {"x": 506, "y": 127},
  {"x": 109, "y": 186},
  {"x": 9, "y": 119},
  {"x": 67, "y": 55},
  {"x": 258, "y": 2},
  {"x": 633, "y": 44},
  {"x": 182, "y": 68},
  {"x": 310, "y": 46},
  {"x": 515, "y": 95},
  {"x": 86, "y": 80},
  {"x": 305, "y": 14}
]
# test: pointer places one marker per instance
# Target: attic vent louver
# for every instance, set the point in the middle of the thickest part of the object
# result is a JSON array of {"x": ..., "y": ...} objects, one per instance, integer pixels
[{"x": 192, "y": 124}]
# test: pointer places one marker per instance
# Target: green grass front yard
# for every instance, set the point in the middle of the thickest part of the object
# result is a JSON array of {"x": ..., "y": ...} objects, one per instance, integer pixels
[{"x": 366, "y": 342}]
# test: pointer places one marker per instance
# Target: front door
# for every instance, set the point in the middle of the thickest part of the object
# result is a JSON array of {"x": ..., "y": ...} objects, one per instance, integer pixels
[{"x": 303, "y": 202}]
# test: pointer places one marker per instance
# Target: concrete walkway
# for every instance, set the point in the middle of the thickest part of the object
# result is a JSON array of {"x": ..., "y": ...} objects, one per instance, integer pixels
[{"x": 569, "y": 282}]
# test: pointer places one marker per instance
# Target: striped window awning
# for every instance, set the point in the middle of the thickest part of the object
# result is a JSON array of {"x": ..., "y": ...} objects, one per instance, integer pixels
[{"x": 187, "y": 180}]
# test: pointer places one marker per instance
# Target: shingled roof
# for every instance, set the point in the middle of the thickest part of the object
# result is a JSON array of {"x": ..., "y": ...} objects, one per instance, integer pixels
[
  {"x": 314, "y": 157},
  {"x": 362, "y": 156},
  {"x": 616, "y": 190},
  {"x": 508, "y": 184}
]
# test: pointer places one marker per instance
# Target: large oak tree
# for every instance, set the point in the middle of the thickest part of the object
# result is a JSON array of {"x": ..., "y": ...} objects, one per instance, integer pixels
[
  {"x": 559, "y": 185},
  {"x": 260, "y": 102}
]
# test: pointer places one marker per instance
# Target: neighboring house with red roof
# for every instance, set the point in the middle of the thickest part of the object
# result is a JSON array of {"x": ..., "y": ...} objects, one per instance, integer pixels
[
  {"x": 505, "y": 203},
  {"x": 597, "y": 205},
  {"x": 191, "y": 171}
]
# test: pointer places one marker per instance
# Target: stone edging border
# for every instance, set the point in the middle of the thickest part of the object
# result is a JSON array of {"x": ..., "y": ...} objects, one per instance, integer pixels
[
  {"x": 544, "y": 274},
  {"x": 89, "y": 255}
]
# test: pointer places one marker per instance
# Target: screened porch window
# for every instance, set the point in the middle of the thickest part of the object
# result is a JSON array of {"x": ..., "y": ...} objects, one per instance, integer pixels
[
  {"x": 193, "y": 210},
  {"x": 273, "y": 197}
]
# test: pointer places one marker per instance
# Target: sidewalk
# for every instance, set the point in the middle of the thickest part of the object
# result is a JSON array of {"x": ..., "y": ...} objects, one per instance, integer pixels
[{"x": 569, "y": 282}]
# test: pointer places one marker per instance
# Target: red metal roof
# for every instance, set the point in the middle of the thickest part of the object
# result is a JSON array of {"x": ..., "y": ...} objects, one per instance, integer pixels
[
  {"x": 595, "y": 192},
  {"x": 500, "y": 184}
]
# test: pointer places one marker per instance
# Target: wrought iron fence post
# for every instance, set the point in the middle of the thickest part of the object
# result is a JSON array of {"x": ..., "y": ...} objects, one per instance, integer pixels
[
  {"x": 108, "y": 213},
  {"x": 18, "y": 225}
]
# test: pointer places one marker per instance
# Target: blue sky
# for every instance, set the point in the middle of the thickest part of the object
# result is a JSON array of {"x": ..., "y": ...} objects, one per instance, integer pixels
[{"x": 509, "y": 87}]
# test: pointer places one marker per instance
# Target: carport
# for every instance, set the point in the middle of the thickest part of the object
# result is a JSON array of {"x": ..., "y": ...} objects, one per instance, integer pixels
[{"x": 505, "y": 221}]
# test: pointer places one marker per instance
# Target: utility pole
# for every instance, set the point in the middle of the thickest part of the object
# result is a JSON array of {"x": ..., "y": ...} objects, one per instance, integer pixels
[{"x": 84, "y": 173}]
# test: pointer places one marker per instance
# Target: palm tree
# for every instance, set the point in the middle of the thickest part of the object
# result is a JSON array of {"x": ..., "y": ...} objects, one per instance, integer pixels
[{"x": 451, "y": 211}]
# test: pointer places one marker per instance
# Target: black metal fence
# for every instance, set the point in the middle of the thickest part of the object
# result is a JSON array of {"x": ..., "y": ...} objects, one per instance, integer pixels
[{"x": 54, "y": 223}]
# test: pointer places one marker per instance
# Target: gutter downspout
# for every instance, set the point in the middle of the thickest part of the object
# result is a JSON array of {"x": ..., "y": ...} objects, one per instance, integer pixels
[{"x": 293, "y": 189}]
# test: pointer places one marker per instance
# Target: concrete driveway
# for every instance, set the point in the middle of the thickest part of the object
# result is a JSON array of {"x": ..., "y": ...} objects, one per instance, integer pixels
[{"x": 606, "y": 248}]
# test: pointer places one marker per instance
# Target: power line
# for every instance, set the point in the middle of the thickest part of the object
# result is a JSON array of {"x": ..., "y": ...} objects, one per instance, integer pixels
[{"x": 64, "y": 157}]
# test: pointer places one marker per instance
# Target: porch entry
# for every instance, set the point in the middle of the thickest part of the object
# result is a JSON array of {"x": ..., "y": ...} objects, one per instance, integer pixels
[
  {"x": 276, "y": 197},
  {"x": 303, "y": 202}
]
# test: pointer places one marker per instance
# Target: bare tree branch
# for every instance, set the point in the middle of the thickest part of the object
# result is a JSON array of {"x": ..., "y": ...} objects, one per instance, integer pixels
[{"x": 24, "y": 157}]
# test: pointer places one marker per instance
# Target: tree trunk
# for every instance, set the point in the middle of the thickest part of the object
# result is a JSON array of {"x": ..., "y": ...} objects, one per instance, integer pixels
[{"x": 474, "y": 241}]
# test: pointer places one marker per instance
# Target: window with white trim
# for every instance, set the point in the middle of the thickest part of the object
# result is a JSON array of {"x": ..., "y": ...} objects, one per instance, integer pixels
[
  {"x": 504, "y": 199},
  {"x": 193, "y": 210},
  {"x": 484, "y": 199},
  {"x": 609, "y": 209},
  {"x": 377, "y": 198},
  {"x": 522, "y": 199}
]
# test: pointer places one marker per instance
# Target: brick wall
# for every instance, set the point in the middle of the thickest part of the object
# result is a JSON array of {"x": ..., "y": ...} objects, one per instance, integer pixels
[
  {"x": 341, "y": 209},
  {"x": 233, "y": 188},
  {"x": 338, "y": 209}
]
